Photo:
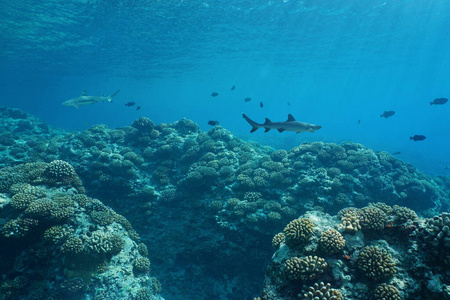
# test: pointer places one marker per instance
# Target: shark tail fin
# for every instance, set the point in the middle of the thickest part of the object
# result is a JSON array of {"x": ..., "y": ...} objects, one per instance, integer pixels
[
  {"x": 113, "y": 95},
  {"x": 251, "y": 122}
]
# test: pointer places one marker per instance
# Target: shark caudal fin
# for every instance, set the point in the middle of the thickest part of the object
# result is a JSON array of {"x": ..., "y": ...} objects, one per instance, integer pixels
[
  {"x": 113, "y": 95},
  {"x": 255, "y": 125}
]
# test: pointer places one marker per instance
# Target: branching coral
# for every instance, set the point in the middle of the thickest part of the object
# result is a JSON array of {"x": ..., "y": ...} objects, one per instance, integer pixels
[
  {"x": 436, "y": 234},
  {"x": 298, "y": 231},
  {"x": 305, "y": 268},
  {"x": 321, "y": 291},
  {"x": 372, "y": 218},
  {"x": 376, "y": 263},
  {"x": 386, "y": 292},
  {"x": 331, "y": 241},
  {"x": 277, "y": 240}
]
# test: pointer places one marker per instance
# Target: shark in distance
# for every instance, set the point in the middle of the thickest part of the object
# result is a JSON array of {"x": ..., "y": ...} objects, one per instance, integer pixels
[
  {"x": 84, "y": 99},
  {"x": 289, "y": 125}
]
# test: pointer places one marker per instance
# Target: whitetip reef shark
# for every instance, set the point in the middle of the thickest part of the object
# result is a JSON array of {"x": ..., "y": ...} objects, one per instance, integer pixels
[
  {"x": 290, "y": 125},
  {"x": 84, "y": 99}
]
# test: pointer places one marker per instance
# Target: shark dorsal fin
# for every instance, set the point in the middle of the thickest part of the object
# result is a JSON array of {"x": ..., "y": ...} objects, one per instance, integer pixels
[
  {"x": 84, "y": 93},
  {"x": 267, "y": 121},
  {"x": 290, "y": 118}
]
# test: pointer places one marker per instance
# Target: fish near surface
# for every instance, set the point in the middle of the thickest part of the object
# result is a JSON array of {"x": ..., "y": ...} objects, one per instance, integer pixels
[
  {"x": 214, "y": 94},
  {"x": 289, "y": 125},
  {"x": 129, "y": 104},
  {"x": 84, "y": 99},
  {"x": 439, "y": 101},
  {"x": 213, "y": 123},
  {"x": 417, "y": 137},
  {"x": 387, "y": 114}
]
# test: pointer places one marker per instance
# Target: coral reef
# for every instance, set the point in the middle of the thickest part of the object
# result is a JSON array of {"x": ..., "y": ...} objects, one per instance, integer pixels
[
  {"x": 386, "y": 292},
  {"x": 321, "y": 291},
  {"x": 308, "y": 267},
  {"x": 181, "y": 187},
  {"x": 331, "y": 241},
  {"x": 376, "y": 263},
  {"x": 55, "y": 247},
  {"x": 298, "y": 231},
  {"x": 392, "y": 262}
]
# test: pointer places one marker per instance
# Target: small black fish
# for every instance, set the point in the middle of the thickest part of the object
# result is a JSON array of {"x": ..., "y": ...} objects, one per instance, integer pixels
[
  {"x": 417, "y": 137},
  {"x": 233, "y": 87},
  {"x": 289, "y": 103},
  {"x": 138, "y": 108},
  {"x": 439, "y": 101},
  {"x": 396, "y": 153},
  {"x": 387, "y": 114},
  {"x": 359, "y": 121},
  {"x": 261, "y": 104},
  {"x": 214, "y": 94},
  {"x": 213, "y": 123},
  {"x": 130, "y": 104},
  {"x": 248, "y": 99}
]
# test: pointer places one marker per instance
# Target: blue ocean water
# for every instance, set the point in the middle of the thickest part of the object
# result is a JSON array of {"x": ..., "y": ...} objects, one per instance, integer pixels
[{"x": 338, "y": 64}]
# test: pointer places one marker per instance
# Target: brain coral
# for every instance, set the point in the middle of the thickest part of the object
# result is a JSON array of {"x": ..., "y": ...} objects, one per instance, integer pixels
[
  {"x": 376, "y": 263},
  {"x": 298, "y": 231},
  {"x": 331, "y": 241},
  {"x": 308, "y": 267},
  {"x": 321, "y": 291},
  {"x": 386, "y": 292}
]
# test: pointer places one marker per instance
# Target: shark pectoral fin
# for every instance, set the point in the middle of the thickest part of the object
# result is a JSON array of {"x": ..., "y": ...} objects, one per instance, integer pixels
[
  {"x": 113, "y": 95},
  {"x": 76, "y": 106},
  {"x": 281, "y": 130},
  {"x": 253, "y": 129},
  {"x": 266, "y": 129}
]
